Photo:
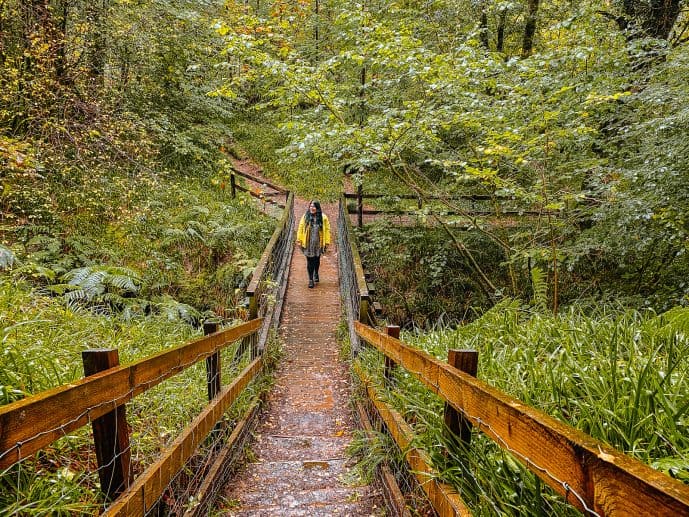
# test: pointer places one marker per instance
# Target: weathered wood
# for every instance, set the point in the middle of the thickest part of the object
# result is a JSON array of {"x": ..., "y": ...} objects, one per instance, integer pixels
[
  {"x": 30, "y": 424},
  {"x": 467, "y": 213},
  {"x": 392, "y": 331},
  {"x": 444, "y": 498},
  {"x": 259, "y": 180},
  {"x": 110, "y": 431},
  {"x": 260, "y": 268},
  {"x": 362, "y": 287},
  {"x": 213, "y": 379},
  {"x": 147, "y": 489},
  {"x": 568, "y": 460},
  {"x": 359, "y": 206},
  {"x": 457, "y": 424},
  {"x": 466, "y": 197},
  {"x": 216, "y": 472}
]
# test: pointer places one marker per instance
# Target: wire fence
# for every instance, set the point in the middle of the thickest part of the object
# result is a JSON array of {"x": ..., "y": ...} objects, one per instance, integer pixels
[{"x": 350, "y": 290}]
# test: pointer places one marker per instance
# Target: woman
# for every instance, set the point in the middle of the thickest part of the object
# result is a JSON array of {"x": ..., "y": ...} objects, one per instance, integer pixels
[{"x": 313, "y": 236}]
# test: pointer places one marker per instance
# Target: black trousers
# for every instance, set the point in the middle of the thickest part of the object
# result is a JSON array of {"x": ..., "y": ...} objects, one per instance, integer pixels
[{"x": 312, "y": 265}]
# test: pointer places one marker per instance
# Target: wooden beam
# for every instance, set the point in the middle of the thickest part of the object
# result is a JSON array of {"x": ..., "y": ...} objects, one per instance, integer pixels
[
  {"x": 444, "y": 498},
  {"x": 258, "y": 180},
  {"x": 571, "y": 462},
  {"x": 147, "y": 488},
  {"x": 32, "y": 423}
]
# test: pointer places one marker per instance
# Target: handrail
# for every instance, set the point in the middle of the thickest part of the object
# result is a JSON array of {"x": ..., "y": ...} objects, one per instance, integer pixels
[
  {"x": 257, "y": 180},
  {"x": 353, "y": 287},
  {"x": 142, "y": 496},
  {"x": 269, "y": 279},
  {"x": 590, "y": 474},
  {"x": 29, "y": 424},
  {"x": 261, "y": 267}
]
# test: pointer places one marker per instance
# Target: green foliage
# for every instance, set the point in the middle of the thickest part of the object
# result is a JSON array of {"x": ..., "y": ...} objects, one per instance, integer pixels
[{"x": 421, "y": 277}]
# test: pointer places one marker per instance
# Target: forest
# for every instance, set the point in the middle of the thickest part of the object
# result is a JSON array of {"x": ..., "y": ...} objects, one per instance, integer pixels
[{"x": 567, "y": 121}]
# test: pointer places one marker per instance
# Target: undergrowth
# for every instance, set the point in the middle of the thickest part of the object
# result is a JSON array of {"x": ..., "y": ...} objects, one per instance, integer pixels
[{"x": 620, "y": 376}]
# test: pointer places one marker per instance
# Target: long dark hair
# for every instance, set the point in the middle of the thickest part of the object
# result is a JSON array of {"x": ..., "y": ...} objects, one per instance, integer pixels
[{"x": 318, "y": 216}]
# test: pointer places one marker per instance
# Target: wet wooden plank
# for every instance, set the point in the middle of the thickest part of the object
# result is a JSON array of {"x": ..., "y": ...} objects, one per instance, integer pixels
[
  {"x": 568, "y": 460},
  {"x": 32, "y": 423}
]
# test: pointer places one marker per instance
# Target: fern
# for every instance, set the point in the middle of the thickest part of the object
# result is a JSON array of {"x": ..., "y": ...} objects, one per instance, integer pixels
[
  {"x": 93, "y": 281},
  {"x": 540, "y": 289}
]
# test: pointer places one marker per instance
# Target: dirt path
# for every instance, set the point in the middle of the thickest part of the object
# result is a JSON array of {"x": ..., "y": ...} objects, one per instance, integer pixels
[{"x": 301, "y": 467}]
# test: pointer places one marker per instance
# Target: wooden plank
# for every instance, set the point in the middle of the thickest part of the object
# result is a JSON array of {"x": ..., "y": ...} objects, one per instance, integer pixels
[
  {"x": 467, "y": 213},
  {"x": 465, "y": 197},
  {"x": 444, "y": 498},
  {"x": 147, "y": 489},
  {"x": 32, "y": 423},
  {"x": 568, "y": 460},
  {"x": 258, "y": 180},
  {"x": 356, "y": 258}
]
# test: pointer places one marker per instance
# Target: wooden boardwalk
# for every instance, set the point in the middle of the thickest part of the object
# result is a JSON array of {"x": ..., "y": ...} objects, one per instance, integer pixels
[{"x": 301, "y": 467}]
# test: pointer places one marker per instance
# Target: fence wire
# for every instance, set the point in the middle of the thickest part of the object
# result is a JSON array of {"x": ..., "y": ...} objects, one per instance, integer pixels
[{"x": 349, "y": 288}]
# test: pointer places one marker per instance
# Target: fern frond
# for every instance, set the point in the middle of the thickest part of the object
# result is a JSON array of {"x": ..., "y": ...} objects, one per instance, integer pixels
[{"x": 540, "y": 289}]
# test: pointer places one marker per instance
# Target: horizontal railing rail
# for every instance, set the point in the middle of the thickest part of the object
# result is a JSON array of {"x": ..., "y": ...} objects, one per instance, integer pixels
[
  {"x": 142, "y": 496},
  {"x": 591, "y": 475},
  {"x": 353, "y": 287},
  {"x": 32, "y": 423},
  {"x": 258, "y": 180},
  {"x": 269, "y": 279}
]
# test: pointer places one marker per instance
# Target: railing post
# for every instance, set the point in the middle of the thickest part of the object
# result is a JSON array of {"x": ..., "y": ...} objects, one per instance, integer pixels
[
  {"x": 253, "y": 314},
  {"x": 392, "y": 331},
  {"x": 360, "y": 205},
  {"x": 233, "y": 185},
  {"x": 212, "y": 363},
  {"x": 110, "y": 431},
  {"x": 363, "y": 310},
  {"x": 456, "y": 423}
]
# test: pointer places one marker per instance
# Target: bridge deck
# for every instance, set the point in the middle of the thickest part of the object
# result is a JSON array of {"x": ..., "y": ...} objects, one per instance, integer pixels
[{"x": 301, "y": 465}]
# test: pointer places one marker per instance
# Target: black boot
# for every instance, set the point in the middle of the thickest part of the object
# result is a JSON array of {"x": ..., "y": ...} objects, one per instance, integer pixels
[
  {"x": 310, "y": 283},
  {"x": 315, "y": 277}
]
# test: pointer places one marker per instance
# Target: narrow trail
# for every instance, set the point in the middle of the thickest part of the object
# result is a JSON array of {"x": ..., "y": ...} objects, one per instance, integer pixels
[{"x": 301, "y": 466}]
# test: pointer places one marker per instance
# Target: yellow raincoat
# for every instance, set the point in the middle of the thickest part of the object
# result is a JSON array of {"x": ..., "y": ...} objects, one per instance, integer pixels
[{"x": 305, "y": 229}]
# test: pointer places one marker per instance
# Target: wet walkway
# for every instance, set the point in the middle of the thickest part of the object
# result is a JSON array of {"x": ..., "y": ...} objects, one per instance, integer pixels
[{"x": 300, "y": 466}]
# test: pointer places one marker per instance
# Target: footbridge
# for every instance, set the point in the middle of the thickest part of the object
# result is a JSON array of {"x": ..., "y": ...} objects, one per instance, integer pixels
[{"x": 271, "y": 438}]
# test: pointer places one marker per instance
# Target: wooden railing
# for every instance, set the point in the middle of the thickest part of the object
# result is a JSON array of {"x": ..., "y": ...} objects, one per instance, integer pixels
[
  {"x": 259, "y": 194},
  {"x": 353, "y": 286},
  {"x": 269, "y": 278},
  {"x": 473, "y": 212},
  {"x": 35, "y": 422},
  {"x": 589, "y": 474},
  {"x": 30, "y": 424}
]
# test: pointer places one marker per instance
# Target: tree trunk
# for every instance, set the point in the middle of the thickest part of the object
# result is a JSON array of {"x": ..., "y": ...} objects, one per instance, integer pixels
[
  {"x": 530, "y": 28},
  {"x": 97, "y": 17},
  {"x": 484, "y": 27},
  {"x": 502, "y": 22}
]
